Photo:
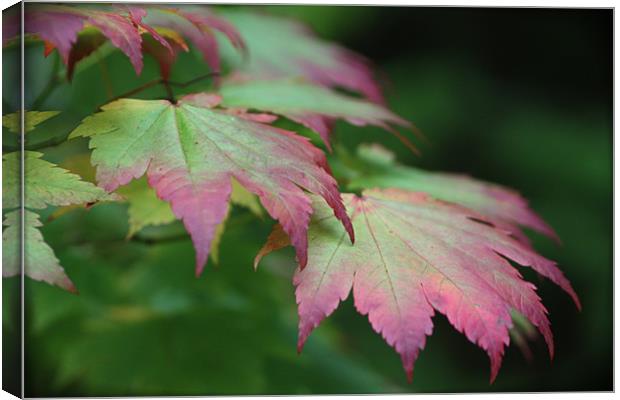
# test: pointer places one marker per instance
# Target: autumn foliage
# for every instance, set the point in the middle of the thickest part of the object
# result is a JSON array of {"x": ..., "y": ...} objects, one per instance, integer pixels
[{"x": 407, "y": 244}]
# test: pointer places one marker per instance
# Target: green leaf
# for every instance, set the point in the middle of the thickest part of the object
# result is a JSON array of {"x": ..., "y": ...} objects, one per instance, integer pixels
[
  {"x": 504, "y": 207},
  {"x": 32, "y": 118},
  {"x": 40, "y": 263},
  {"x": 244, "y": 198},
  {"x": 306, "y": 103},
  {"x": 145, "y": 208},
  {"x": 46, "y": 184}
]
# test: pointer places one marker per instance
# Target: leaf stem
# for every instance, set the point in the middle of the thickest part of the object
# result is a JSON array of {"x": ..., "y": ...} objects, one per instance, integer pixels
[
  {"x": 195, "y": 80},
  {"x": 134, "y": 90},
  {"x": 167, "y": 84},
  {"x": 169, "y": 92}
]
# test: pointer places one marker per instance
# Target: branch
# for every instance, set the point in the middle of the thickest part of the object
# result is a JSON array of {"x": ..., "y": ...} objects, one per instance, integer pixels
[
  {"x": 171, "y": 238},
  {"x": 166, "y": 83},
  {"x": 55, "y": 141},
  {"x": 195, "y": 80},
  {"x": 61, "y": 139},
  {"x": 134, "y": 91}
]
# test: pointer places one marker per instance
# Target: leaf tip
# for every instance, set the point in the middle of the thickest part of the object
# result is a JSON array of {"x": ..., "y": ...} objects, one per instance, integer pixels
[
  {"x": 409, "y": 372},
  {"x": 301, "y": 341},
  {"x": 257, "y": 259},
  {"x": 70, "y": 287},
  {"x": 302, "y": 259},
  {"x": 577, "y": 301},
  {"x": 496, "y": 363},
  {"x": 573, "y": 295},
  {"x": 200, "y": 266}
]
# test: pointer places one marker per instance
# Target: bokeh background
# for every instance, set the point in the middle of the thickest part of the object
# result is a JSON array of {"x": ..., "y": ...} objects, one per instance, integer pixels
[{"x": 521, "y": 97}]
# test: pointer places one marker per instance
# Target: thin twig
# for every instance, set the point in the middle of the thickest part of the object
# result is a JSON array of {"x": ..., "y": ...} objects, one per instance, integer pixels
[
  {"x": 121, "y": 241},
  {"x": 55, "y": 141},
  {"x": 135, "y": 90},
  {"x": 195, "y": 80},
  {"x": 165, "y": 239},
  {"x": 158, "y": 81}
]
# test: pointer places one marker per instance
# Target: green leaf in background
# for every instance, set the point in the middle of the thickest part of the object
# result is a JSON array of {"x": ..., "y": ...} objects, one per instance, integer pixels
[
  {"x": 521, "y": 332},
  {"x": 280, "y": 47},
  {"x": 505, "y": 207},
  {"x": 32, "y": 118},
  {"x": 145, "y": 208}
]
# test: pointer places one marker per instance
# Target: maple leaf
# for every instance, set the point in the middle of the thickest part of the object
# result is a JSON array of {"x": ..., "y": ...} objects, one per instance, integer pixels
[
  {"x": 504, "y": 207},
  {"x": 32, "y": 118},
  {"x": 45, "y": 184},
  {"x": 59, "y": 25},
  {"x": 283, "y": 48},
  {"x": 413, "y": 255},
  {"x": 39, "y": 260},
  {"x": 198, "y": 24},
  {"x": 190, "y": 151},
  {"x": 310, "y": 105}
]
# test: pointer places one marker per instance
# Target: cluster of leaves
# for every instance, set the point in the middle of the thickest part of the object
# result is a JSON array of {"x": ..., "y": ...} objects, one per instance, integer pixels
[{"x": 412, "y": 243}]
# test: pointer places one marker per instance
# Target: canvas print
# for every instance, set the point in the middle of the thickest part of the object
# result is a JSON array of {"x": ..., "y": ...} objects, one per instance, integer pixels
[{"x": 204, "y": 199}]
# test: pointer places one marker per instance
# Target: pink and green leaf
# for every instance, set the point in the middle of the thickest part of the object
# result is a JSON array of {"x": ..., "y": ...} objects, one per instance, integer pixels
[
  {"x": 413, "y": 256},
  {"x": 283, "y": 48},
  {"x": 198, "y": 24},
  {"x": 60, "y": 27},
  {"x": 190, "y": 152}
]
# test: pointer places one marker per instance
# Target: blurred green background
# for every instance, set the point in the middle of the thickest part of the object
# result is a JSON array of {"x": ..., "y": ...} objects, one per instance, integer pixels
[{"x": 521, "y": 97}]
